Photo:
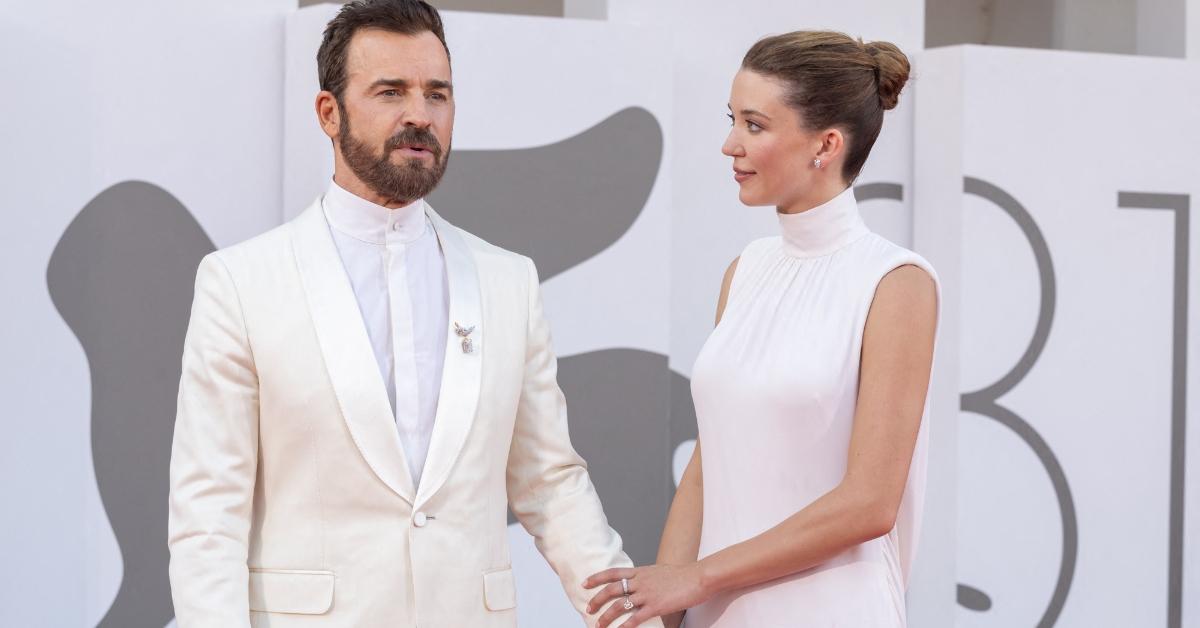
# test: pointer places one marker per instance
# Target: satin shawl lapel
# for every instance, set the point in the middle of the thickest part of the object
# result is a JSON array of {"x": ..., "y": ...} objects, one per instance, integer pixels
[
  {"x": 463, "y": 372},
  {"x": 347, "y": 351}
]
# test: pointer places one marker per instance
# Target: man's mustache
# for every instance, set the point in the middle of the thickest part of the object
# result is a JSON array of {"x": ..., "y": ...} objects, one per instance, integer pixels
[{"x": 420, "y": 138}]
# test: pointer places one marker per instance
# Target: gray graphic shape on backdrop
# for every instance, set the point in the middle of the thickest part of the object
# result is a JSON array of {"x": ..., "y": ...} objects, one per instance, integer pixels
[
  {"x": 1180, "y": 204},
  {"x": 872, "y": 191},
  {"x": 121, "y": 277},
  {"x": 617, "y": 398},
  {"x": 561, "y": 203},
  {"x": 986, "y": 402},
  {"x": 618, "y": 402},
  {"x": 682, "y": 426}
]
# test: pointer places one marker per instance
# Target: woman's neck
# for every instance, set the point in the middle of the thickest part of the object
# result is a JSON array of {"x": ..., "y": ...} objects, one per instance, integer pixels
[{"x": 815, "y": 197}]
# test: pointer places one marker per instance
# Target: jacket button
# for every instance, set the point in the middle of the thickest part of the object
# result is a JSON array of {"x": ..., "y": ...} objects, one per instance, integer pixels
[{"x": 420, "y": 519}]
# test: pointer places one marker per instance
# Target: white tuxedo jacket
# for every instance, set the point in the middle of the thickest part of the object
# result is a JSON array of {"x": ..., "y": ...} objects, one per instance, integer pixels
[{"x": 291, "y": 503}]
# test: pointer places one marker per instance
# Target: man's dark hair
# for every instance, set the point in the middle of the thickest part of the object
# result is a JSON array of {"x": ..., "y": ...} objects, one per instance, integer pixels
[{"x": 407, "y": 17}]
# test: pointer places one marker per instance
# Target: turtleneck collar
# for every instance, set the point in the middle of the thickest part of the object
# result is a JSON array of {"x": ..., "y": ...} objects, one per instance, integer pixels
[
  {"x": 823, "y": 229},
  {"x": 363, "y": 220}
]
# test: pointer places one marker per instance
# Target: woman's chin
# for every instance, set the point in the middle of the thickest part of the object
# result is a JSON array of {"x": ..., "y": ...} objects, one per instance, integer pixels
[{"x": 750, "y": 199}]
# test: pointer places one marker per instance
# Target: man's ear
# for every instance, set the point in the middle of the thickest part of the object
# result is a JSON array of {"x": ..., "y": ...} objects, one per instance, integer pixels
[{"x": 329, "y": 115}]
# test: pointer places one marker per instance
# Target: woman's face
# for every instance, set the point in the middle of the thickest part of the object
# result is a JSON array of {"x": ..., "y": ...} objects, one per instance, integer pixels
[{"x": 772, "y": 153}]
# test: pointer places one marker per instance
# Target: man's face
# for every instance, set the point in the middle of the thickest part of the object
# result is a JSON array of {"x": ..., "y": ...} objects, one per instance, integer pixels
[{"x": 397, "y": 113}]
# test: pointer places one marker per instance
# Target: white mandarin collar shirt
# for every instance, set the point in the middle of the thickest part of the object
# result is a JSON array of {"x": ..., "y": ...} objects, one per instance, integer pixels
[{"x": 395, "y": 265}]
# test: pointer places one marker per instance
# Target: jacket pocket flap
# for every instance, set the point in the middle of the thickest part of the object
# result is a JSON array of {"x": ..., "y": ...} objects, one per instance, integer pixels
[
  {"x": 499, "y": 591},
  {"x": 291, "y": 591}
]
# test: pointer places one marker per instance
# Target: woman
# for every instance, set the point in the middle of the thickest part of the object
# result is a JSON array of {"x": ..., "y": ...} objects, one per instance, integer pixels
[{"x": 810, "y": 392}]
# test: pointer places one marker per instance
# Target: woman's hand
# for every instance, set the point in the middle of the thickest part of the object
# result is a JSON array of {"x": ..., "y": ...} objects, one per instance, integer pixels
[{"x": 654, "y": 590}]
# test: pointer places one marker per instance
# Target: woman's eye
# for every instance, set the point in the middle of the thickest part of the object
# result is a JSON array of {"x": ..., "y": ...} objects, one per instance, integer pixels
[
  {"x": 754, "y": 128},
  {"x": 730, "y": 116}
]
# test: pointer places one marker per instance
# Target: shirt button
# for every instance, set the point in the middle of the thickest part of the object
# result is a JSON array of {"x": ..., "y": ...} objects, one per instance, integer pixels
[
  {"x": 420, "y": 519},
  {"x": 395, "y": 226}
]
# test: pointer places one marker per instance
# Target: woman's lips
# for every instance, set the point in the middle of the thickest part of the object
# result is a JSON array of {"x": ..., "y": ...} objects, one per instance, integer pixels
[{"x": 742, "y": 175}]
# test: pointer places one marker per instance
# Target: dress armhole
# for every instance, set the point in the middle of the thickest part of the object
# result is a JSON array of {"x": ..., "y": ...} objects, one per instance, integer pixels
[{"x": 726, "y": 288}]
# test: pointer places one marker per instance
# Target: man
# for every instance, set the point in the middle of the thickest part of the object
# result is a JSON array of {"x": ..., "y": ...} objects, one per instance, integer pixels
[{"x": 367, "y": 387}]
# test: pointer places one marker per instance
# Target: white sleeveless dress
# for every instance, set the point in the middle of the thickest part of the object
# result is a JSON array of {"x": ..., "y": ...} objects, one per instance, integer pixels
[{"x": 775, "y": 387}]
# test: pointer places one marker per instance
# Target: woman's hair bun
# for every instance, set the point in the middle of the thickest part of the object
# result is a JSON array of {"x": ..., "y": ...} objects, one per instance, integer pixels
[{"x": 891, "y": 70}]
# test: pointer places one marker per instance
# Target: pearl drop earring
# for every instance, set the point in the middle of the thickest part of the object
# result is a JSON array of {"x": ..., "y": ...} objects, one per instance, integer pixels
[{"x": 816, "y": 163}]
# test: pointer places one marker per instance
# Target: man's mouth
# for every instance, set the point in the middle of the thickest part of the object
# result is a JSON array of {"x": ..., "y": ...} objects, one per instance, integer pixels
[{"x": 415, "y": 150}]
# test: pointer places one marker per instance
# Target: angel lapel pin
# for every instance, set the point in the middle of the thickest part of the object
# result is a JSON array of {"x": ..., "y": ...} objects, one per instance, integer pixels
[{"x": 465, "y": 333}]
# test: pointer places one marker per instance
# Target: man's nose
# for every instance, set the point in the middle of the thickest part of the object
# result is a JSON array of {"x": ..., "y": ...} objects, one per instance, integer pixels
[{"x": 417, "y": 114}]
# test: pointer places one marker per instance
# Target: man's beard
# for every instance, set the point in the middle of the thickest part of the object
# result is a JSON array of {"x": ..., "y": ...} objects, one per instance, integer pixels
[{"x": 403, "y": 183}]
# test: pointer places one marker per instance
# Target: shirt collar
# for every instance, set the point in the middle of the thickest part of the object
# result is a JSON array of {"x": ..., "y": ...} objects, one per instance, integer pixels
[
  {"x": 823, "y": 229},
  {"x": 363, "y": 220}
]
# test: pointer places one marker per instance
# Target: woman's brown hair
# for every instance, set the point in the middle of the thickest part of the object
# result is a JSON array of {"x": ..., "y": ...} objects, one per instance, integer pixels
[{"x": 834, "y": 80}]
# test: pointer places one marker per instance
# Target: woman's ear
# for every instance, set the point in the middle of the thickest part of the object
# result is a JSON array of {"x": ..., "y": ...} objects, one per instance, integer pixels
[{"x": 831, "y": 146}]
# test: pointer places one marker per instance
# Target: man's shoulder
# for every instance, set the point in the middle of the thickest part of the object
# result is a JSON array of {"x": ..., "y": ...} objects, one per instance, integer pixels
[
  {"x": 482, "y": 247},
  {"x": 490, "y": 257}
]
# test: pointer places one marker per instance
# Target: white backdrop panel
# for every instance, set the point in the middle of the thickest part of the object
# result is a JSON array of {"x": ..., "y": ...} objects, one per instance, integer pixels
[
  {"x": 182, "y": 95},
  {"x": 1048, "y": 142}
]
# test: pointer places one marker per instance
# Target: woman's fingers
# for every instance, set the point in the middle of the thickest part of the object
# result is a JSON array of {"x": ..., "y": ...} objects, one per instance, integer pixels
[
  {"x": 609, "y": 592},
  {"x": 616, "y": 610},
  {"x": 608, "y": 575}
]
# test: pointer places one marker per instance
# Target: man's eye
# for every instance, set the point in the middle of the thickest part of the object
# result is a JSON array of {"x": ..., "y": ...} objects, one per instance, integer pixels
[
  {"x": 389, "y": 92},
  {"x": 438, "y": 96}
]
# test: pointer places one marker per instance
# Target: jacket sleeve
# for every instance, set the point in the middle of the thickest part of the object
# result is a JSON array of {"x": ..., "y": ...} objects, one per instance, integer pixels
[
  {"x": 213, "y": 459},
  {"x": 548, "y": 485}
]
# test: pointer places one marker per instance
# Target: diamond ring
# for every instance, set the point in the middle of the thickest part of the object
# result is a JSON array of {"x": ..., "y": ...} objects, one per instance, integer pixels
[{"x": 628, "y": 605}]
